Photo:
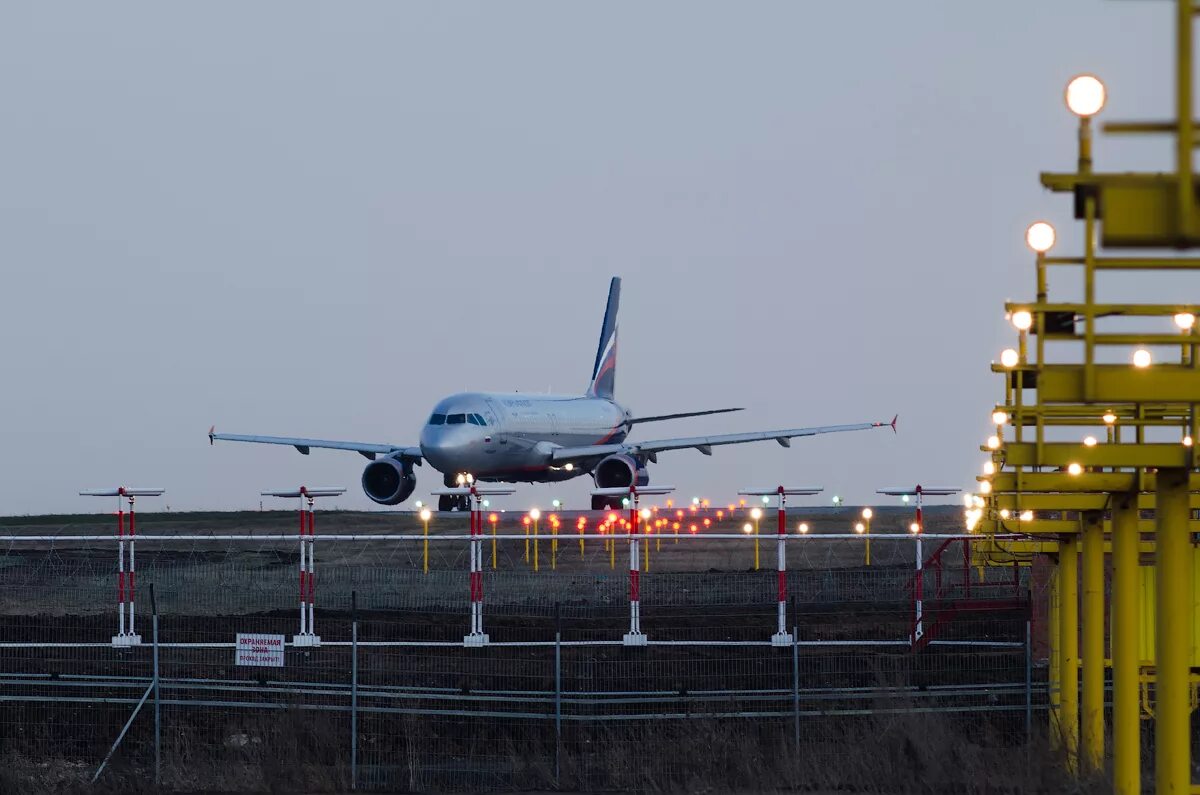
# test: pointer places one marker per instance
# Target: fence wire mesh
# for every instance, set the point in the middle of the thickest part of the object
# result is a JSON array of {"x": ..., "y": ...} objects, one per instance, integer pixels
[{"x": 555, "y": 700}]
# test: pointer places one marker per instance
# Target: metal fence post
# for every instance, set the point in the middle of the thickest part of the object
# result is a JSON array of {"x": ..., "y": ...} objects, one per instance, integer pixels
[
  {"x": 157, "y": 704},
  {"x": 557, "y": 693},
  {"x": 354, "y": 690},
  {"x": 796, "y": 685}
]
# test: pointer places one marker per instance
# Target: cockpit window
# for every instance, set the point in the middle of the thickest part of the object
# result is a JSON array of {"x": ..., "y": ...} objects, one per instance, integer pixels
[
  {"x": 456, "y": 419},
  {"x": 475, "y": 419},
  {"x": 437, "y": 419}
]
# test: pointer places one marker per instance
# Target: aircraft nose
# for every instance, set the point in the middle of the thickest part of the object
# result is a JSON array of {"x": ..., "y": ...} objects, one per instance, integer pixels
[{"x": 444, "y": 447}]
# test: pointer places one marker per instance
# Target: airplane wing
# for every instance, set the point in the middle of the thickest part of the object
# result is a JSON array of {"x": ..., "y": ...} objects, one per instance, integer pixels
[
  {"x": 705, "y": 443},
  {"x": 365, "y": 449}
]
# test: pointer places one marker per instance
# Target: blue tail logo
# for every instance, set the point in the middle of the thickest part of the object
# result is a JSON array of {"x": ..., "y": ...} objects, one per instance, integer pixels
[{"x": 604, "y": 372}]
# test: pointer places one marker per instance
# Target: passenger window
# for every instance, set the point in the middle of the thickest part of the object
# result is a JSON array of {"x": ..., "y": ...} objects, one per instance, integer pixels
[
  {"x": 437, "y": 419},
  {"x": 456, "y": 419}
]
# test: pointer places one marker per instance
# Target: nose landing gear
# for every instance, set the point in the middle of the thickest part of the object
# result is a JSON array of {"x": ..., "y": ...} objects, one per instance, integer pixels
[{"x": 453, "y": 502}]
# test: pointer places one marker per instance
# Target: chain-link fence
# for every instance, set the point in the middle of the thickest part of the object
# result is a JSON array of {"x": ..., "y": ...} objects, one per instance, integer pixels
[{"x": 392, "y": 699}]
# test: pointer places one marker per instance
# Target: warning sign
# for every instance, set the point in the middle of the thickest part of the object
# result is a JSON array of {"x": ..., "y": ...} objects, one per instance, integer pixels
[{"x": 258, "y": 649}]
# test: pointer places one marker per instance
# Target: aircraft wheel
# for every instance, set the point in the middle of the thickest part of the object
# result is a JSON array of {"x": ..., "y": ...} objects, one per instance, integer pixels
[{"x": 446, "y": 502}]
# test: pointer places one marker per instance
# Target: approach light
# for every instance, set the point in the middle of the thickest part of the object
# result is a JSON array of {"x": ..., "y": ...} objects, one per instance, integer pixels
[
  {"x": 989, "y": 469},
  {"x": 1004, "y": 513},
  {"x": 1109, "y": 418},
  {"x": 968, "y": 500},
  {"x": 625, "y": 501},
  {"x": 1074, "y": 468},
  {"x": 556, "y": 503},
  {"x": 645, "y": 513},
  {"x": 1009, "y": 357},
  {"x": 914, "y": 528},
  {"x": 695, "y": 500},
  {"x": 977, "y": 501},
  {"x": 803, "y": 528},
  {"x": 999, "y": 417},
  {"x": 747, "y": 528},
  {"x": 993, "y": 442},
  {"x": 1187, "y": 441},
  {"x": 859, "y": 527},
  {"x": 1040, "y": 237},
  {"x": 837, "y": 500},
  {"x": 867, "y": 513},
  {"x": 756, "y": 513},
  {"x": 1089, "y": 441},
  {"x": 1022, "y": 319},
  {"x": 904, "y": 499},
  {"x": 766, "y": 499},
  {"x": 1141, "y": 358},
  {"x": 1026, "y": 516},
  {"x": 535, "y": 514},
  {"x": 1085, "y": 95},
  {"x": 985, "y": 487},
  {"x": 419, "y": 504},
  {"x": 426, "y": 514},
  {"x": 1185, "y": 321}
]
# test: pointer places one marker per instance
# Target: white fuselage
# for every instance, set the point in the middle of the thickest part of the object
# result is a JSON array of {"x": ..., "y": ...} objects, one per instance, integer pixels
[{"x": 499, "y": 436}]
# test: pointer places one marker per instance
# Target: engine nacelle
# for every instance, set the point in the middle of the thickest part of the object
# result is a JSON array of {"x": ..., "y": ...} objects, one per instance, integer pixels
[
  {"x": 620, "y": 471},
  {"x": 388, "y": 481}
]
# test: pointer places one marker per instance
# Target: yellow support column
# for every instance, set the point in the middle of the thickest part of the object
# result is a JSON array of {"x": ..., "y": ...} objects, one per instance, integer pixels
[
  {"x": 1068, "y": 650},
  {"x": 1126, "y": 717},
  {"x": 1055, "y": 664},
  {"x": 1173, "y": 635},
  {"x": 1092, "y": 747}
]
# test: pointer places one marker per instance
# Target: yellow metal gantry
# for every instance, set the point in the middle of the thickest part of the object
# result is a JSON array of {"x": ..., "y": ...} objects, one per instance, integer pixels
[{"x": 1094, "y": 443}]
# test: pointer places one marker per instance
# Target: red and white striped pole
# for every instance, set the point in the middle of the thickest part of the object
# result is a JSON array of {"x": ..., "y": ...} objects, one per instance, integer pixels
[
  {"x": 132, "y": 637},
  {"x": 120, "y": 570},
  {"x": 312, "y": 574},
  {"x": 477, "y": 636},
  {"x": 635, "y": 637},
  {"x": 782, "y": 637},
  {"x": 303, "y": 612},
  {"x": 918, "y": 582}
]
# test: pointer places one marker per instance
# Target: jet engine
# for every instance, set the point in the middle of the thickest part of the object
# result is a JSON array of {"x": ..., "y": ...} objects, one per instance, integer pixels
[
  {"x": 388, "y": 481},
  {"x": 620, "y": 471}
]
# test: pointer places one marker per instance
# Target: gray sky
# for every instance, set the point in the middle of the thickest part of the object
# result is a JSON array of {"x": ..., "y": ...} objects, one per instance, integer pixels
[{"x": 316, "y": 219}]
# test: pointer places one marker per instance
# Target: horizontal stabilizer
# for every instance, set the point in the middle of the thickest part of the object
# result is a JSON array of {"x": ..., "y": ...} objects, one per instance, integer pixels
[{"x": 682, "y": 414}]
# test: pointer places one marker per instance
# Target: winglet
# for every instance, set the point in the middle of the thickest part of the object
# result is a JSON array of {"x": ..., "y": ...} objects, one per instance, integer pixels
[
  {"x": 212, "y": 431},
  {"x": 893, "y": 423}
]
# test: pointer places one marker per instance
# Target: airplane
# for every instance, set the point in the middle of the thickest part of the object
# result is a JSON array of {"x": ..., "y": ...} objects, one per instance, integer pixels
[{"x": 535, "y": 438}]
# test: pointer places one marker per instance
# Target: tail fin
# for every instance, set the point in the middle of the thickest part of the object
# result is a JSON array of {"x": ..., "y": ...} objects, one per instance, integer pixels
[{"x": 604, "y": 372}]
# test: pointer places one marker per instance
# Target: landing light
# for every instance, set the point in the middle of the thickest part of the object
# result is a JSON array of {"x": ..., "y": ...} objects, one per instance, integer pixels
[
  {"x": 859, "y": 527},
  {"x": 803, "y": 527},
  {"x": 1026, "y": 516},
  {"x": 1187, "y": 441},
  {"x": 756, "y": 514},
  {"x": 1089, "y": 441},
  {"x": 747, "y": 528},
  {"x": 535, "y": 514},
  {"x": 1009, "y": 358},
  {"x": 985, "y": 487},
  {"x": 1022, "y": 319},
  {"x": 914, "y": 528},
  {"x": 569, "y": 467},
  {"x": 1141, "y": 358},
  {"x": 989, "y": 468},
  {"x": 1109, "y": 418},
  {"x": 1085, "y": 95},
  {"x": 999, "y": 417},
  {"x": 425, "y": 514},
  {"x": 1040, "y": 237},
  {"x": 1185, "y": 320},
  {"x": 1074, "y": 468},
  {"x": 993, "y": 442},
  {"x": 867, "y": 513},
  {"x": 1004, "y": 513}
]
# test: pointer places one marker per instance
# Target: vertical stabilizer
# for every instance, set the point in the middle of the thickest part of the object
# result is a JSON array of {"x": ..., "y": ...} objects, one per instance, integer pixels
[{"x": 604, "y": 372}]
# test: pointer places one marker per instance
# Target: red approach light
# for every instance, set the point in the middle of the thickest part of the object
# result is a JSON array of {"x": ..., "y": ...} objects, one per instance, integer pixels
[
  {"x": 707, "y": 522},
  {"x": 693, "y": 509},
  {"x": 670, "y": 503},
  {"x": 612, "y": 517},
  {"x": 525, "y": 521},
  {"x": 679, "y": 514},
  {"x": 704, "y": 503},
  {"x": 675, "y": 526},
  {"x": 720, "y": 515},
  {"x": 493, "y": 518},
  {"x": 693, "y": 528}
]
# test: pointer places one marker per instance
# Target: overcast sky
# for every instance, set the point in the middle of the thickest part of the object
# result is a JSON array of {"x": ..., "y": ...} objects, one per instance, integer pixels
[{"x": 316, "y": 219}]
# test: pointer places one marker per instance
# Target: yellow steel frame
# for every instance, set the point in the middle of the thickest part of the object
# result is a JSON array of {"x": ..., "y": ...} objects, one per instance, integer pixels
[{"x": 1092, "y": 491}]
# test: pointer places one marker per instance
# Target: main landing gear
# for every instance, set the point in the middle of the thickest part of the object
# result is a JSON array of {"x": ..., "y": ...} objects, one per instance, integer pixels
[{"x": 604, "y": 502}]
